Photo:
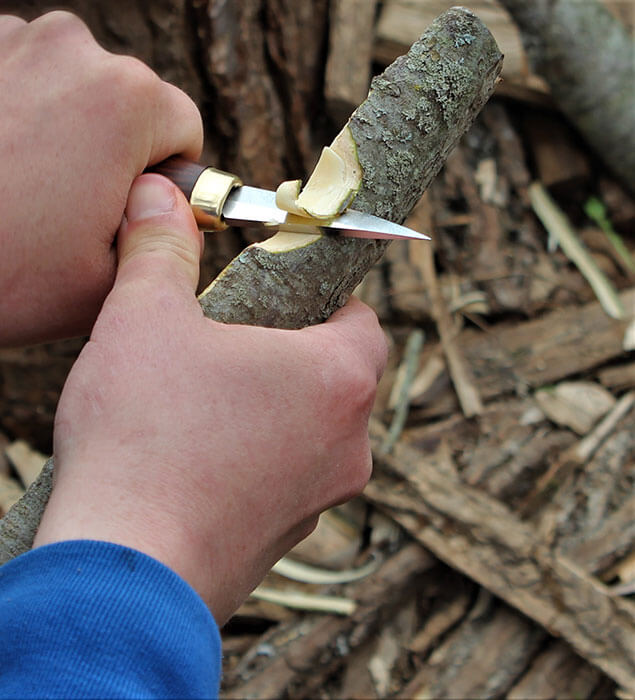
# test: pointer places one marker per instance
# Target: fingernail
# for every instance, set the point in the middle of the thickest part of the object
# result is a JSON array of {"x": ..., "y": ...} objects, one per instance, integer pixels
[{"x": 150, "y": 196}]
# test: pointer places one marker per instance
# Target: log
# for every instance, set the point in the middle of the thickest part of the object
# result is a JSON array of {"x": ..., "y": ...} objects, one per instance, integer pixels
[
  {"x": 587, "y": 57},
  {"x": 415, "y": 114}
]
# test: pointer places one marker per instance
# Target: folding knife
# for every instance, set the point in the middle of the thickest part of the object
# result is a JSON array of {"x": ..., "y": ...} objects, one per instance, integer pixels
[{"x": 219, "y": 199}]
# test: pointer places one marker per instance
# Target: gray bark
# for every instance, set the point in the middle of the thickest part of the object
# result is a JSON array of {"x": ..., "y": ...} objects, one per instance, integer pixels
[
  {"x": 415, "y": 114},
  {"x": 588, "y": 59}
]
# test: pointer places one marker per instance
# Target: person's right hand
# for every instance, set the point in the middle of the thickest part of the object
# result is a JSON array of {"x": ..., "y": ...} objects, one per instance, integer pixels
[
  {"x": 78, "y": 125},
  {"x": 211, "y": 447}
]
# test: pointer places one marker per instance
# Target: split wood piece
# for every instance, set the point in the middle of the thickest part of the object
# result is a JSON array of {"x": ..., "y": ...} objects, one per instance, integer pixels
[
  {"x": 516, "y": 359},
  {"x": 560, "y": 344},
  {"x": 576, "y": 455},
  {"x": 458, "y": 368},
  {"x": 371, "y": 670},
  {"x": 401, "y": 21},
  {"x": 300, "y": 655},
  {"x": 348, "y": 66},
  {"x": 591, "y": 518},
  {"x": 416, "y": 112},
  {"x": 578, "y": 405},
  {"x": 587, "y": 57},
  {"x": 556, "y": 673},
  {"x": 441, "y": 620},
  {"x": 481, "y": 537},
  {"x": 481, "y": 658}
]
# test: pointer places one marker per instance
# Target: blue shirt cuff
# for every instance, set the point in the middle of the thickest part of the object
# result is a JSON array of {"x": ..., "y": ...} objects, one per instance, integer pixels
[{"x": 95, "y": 619}]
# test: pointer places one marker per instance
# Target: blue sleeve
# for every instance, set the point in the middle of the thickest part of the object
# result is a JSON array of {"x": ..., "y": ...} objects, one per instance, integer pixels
[{"x": 93, "y": 619}]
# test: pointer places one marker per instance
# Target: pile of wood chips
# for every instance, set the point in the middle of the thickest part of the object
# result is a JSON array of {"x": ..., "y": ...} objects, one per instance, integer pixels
[{"x": 491, "y": 555}]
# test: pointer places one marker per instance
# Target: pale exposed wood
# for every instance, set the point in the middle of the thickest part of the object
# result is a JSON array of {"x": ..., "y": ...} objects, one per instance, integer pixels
[
  {"x": 348, "y": 67},
  {"x": 578, "y": 405},
  {"x": 478, "y": 535}
]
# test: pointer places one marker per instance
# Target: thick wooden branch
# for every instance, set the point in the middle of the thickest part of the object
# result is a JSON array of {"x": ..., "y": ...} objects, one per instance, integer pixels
[{"x": 414, "y": 115}]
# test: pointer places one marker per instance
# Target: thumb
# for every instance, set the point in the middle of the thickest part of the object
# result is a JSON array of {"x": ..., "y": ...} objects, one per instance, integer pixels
[{"x": 159, "y": 240}]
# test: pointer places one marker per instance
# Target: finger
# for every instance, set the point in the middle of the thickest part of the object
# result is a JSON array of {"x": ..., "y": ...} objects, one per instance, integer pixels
[
  {"x": 178, "y": 127},
  {"x": 9, "y": 24},
  {"x": 358, "y": 323},
  {"x": 159, "y": 241}
]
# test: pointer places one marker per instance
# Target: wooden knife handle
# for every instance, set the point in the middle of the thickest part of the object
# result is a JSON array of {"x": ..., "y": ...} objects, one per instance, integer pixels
[{"x": 183, "y": 173}]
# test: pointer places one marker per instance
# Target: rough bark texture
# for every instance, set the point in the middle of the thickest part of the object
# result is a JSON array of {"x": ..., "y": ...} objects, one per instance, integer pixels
[
  {"x": 588, "y": 59},
  {"x": 481, "y": 537},
  {"x": 415, "y": 114}
]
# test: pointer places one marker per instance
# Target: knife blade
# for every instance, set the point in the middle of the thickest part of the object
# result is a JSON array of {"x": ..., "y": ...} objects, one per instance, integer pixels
[{"x": 219, "y": 199}]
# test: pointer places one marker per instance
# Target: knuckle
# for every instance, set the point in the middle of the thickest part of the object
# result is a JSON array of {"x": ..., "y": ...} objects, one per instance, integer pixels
[
  {"x": 135, "y": 76},
  {"x": 8, "y": 22},
  {"x": 60, "y": 22}
]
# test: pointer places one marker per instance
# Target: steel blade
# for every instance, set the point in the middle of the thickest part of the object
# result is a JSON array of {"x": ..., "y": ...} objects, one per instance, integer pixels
[{"x": 249, "y": 206}]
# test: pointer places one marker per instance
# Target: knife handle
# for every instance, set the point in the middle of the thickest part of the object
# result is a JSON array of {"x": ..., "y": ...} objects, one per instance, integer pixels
[
  {"x": 184, "y": 173},
  {"x": 206, "y": 188}
]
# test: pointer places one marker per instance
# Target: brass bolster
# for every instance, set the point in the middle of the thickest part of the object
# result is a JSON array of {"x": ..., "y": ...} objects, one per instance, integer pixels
[{"x": 209, "y": 195}]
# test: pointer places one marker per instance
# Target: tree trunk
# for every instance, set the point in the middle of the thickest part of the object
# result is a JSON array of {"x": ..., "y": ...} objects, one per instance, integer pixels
[{"x": 415, "y": 114}]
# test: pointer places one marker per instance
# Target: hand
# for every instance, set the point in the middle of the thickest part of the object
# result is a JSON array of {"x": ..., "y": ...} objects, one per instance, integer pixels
[
  {"x": 211, "y": 447},
  {"x": 78, "y": 125}
]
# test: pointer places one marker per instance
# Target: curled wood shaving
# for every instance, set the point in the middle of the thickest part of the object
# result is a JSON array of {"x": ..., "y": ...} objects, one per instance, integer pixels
[
  {"x": 305, "y": 573},
  {"x": 306, "y": 601}
]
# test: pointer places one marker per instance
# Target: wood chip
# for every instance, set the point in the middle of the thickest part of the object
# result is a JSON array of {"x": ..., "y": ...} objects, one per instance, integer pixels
[
  {"x": 576, "y": 405},
  {"x": 10, "y": 492},
  {"x": 26, "y": 461}
]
